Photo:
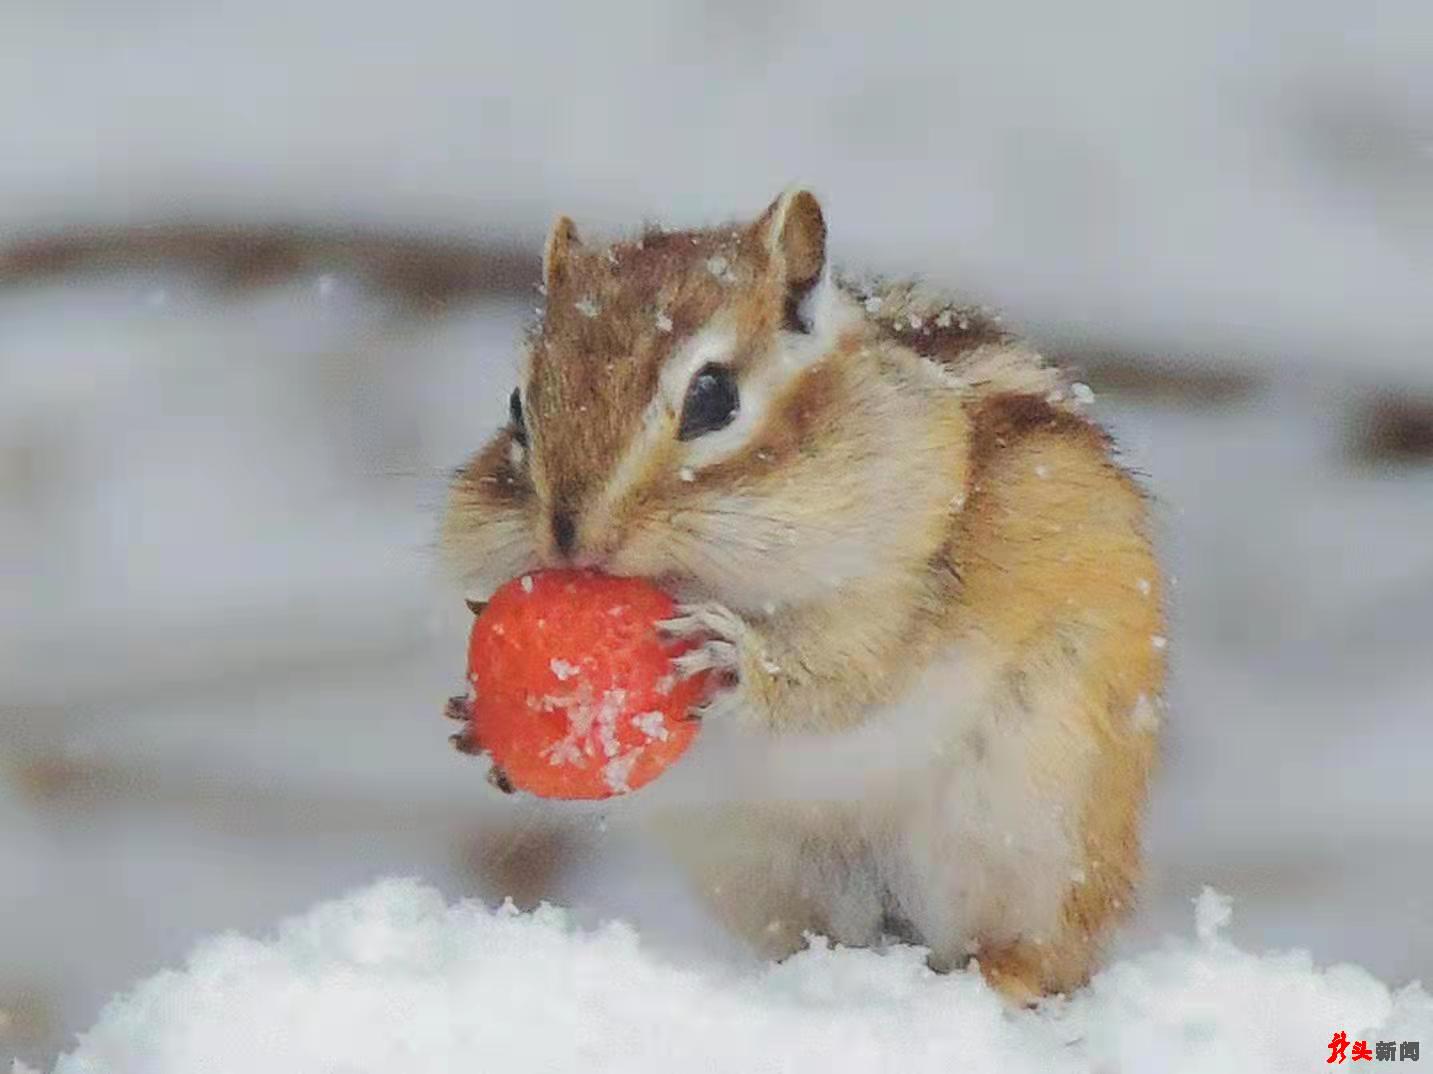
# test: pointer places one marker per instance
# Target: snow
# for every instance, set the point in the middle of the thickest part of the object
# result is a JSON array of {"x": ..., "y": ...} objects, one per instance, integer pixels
[
  {"x": 617, "y": 771},
  {"x": 394, "y": 978},
  {"x": 652, "y": 724},
  {"x": 562, "y": 670},
  {"x": 1213, "y": 910}
]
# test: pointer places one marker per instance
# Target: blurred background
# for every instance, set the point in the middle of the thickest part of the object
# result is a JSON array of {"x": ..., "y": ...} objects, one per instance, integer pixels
[{"x": 263, "y": 267}]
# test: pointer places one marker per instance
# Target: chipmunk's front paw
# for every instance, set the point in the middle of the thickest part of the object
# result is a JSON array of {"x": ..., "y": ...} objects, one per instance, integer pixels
[
  {"x": 461, "y": 709},
  {"x": 727, "y": 647},
  {"x": 718, "y": 633}
]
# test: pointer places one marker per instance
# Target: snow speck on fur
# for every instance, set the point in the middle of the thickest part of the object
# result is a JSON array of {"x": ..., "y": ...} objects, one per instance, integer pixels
[{"x": 395, "y": 979}]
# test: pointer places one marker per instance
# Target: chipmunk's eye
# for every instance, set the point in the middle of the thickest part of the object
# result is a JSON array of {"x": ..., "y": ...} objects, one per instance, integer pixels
[
  {"x": 711, "y": 402},
  {"x": 519, "y": 427}
]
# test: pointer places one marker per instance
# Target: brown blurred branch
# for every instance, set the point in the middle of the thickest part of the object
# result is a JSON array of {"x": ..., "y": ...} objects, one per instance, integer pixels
[{"x": 423, "y": 270}]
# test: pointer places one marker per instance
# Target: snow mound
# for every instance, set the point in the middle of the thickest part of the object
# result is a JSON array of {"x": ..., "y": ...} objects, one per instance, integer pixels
[{"x": 394, "y": 979}]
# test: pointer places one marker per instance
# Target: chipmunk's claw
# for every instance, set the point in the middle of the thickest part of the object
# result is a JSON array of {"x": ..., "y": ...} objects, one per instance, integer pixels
[
  {"x": 718, "y": 633},
  {"x": 475, "y": 606},
  {"x": 706, "y": 619},
  {"x": 713, "y": 654},
  {"x": 720, "y": 640},
  {"x": 464, "y": 743},
  {"x": 499, "y": 779},
  {"x": 458, "y": 708}
]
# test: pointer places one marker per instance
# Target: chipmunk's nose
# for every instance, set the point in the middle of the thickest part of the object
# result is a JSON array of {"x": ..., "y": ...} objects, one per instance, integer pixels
[
  {"x": 576, "y": 538},
  {"x": 564, "y": 533}
]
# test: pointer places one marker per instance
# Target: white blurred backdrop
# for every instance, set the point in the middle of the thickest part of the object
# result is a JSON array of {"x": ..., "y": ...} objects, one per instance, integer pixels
[{"x": 263, "y": 268}]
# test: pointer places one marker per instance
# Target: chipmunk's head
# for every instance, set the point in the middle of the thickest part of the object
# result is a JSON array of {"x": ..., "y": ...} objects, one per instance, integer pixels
[{"x": 691, "y": 410}]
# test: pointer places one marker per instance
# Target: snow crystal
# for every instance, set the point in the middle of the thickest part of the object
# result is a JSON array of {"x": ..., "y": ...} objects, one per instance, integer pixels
[
  {"x": 1143, "y": 585},
  {"x": 587, "y": 307},
  {"x": 616, "y": 772},
  {"x": 687, "y": 474},
  {"x": 565, "y": 751},
  {"x": 1212, "y": 912},
  {"x": 652, "y": 724},
  {"x": 1082, "y": 393},
  {"x": 586, "y": 716},
  {"x": 873, "y": 305},
  {"x": 1159, "y": 641},
  {"x": 915, "y": 322},
  {"x": 717, "y": 265},
  {"x": 943, "y": 321},
  {"x": 393, "y": 978},
  {"x": 526, "y": 583},
  {"x": 664, "y": 323},
  {"x": 606, "y": 718},
  {"x": 562, "y": 669},
  {"x": 1042, "y": 471}
]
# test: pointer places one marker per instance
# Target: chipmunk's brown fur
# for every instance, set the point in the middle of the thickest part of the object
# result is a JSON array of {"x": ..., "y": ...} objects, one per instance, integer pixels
[{"x": 930, "y": 586}]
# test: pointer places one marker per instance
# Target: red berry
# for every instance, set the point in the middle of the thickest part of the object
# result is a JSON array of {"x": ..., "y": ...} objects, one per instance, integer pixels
[{"x": 576, "y": 695}]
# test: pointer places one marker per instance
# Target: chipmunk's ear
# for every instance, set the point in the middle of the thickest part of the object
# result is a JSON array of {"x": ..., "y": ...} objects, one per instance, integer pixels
[
  {"x": 794, "y": 230},
  {"x": 561, "y": 241}
]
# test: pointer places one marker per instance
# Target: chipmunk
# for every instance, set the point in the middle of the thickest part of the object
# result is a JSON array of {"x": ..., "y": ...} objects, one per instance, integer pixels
[{"x": 928, "y": 586}]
